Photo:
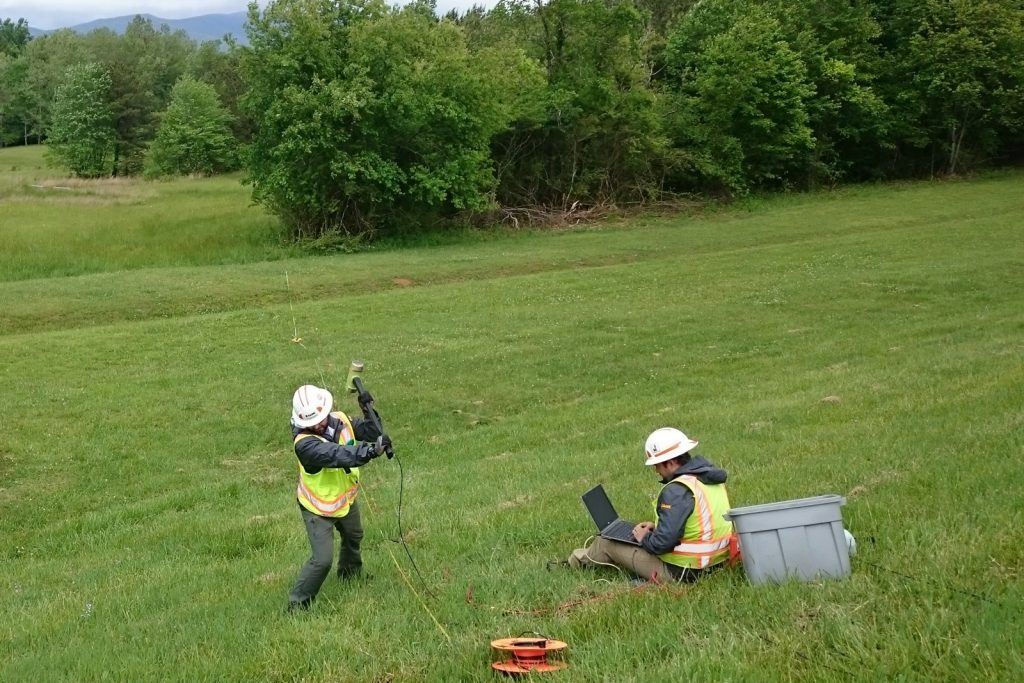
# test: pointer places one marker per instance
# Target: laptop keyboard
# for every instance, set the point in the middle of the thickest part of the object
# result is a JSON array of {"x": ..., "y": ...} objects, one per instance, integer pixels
[{"x": 619, "y": 529}]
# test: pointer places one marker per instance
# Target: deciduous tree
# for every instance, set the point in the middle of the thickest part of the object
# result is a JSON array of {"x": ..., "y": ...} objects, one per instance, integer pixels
[
  {"x": 742, "y": 94},
  {"x": 366, "y": 117},
  {"x": 194, "y": 135},
  {"x": 81, "y": 135},
  {"x": 14, "y": 36},
  {"x": 956, "y": 79}
]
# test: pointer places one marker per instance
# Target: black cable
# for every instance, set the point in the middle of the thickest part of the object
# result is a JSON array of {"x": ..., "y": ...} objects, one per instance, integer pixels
[
  {"x": 942, "y": 581},
  {"x": 401, "y": 534},
  {"x": 370, "y": 411},
  {"x": 946, "y": 583}
]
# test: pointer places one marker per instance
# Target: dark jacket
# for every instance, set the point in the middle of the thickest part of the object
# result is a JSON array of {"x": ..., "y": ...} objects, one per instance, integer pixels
[
  {"x": 315, "y": 454},
  {"x": 675, "y": 504}
]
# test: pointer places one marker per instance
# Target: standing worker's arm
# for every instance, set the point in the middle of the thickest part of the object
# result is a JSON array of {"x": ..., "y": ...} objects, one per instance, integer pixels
[
  {"x": 315, "y": 453},
  {"x": 675, "y": 505},
  {"x": 364, "y": 429}
]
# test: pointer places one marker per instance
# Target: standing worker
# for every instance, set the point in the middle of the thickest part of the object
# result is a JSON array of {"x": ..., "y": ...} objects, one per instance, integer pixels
[
  {"x": 690, "y": 534},
  {"x": 330, "y": 448}
]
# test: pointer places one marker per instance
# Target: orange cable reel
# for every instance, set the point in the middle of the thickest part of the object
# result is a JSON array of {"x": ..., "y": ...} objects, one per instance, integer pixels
[{"x": 529, "y": 655}]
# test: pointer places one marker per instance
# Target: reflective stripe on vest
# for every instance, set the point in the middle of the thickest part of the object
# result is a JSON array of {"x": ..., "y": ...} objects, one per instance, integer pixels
[
  {"x": 331, "y": 491},
  {"x": 327, "y": 508},
  {"x": 706, "y": 534}
]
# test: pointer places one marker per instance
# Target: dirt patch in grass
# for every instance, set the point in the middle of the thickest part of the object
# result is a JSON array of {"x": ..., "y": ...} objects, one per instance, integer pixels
[
  {"x": 499, "y": 456},
  {"x": 883, "y": 477},
  {"x": 7, "y": 467},
  {"x": 267, "y": 477},
  {"x": 519, "y": 500},
  {"x": 270, "y": 578},
  {"x": 758, "y": 426}
]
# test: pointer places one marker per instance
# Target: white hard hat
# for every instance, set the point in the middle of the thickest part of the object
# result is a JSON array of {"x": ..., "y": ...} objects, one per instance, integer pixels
[
  {"x": 667, "y": 443},
  {"x": 310, "y": 405}
]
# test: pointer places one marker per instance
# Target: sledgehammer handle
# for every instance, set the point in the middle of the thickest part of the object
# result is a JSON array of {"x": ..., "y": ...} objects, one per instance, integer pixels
[{"x": 358, "y": 383}]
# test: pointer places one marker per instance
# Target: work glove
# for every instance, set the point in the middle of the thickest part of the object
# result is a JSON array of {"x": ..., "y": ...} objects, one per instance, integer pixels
[
  {"x": 380, "y": 446},
  {"x": 364, "y": 398}
]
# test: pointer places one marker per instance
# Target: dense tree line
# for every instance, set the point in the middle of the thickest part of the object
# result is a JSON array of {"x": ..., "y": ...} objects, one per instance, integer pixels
[
  {"x": 100, "y": 98},
  {"x": 371, "y": 118},
  {"x": 357, "y": 117}
]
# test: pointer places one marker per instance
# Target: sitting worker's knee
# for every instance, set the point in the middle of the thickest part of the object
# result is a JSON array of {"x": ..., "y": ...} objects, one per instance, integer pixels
[{"x": 578, "y": 558}]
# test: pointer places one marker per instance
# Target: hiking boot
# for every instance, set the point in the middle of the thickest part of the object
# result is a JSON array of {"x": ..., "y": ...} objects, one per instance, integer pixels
[{"x": 300, "y": 606}]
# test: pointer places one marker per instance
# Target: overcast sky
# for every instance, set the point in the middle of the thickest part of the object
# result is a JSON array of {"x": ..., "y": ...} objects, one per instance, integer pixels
[{"x": 50, "y": 14}]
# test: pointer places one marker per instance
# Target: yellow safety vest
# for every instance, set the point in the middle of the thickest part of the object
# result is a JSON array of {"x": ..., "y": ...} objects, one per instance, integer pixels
[
  {"x": 706, "y": 535},
  {"x": 331, "y": 491}
]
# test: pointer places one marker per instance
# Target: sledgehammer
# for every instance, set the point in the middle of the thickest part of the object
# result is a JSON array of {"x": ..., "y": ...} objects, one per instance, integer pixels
[{"x": 354, "y": 384}]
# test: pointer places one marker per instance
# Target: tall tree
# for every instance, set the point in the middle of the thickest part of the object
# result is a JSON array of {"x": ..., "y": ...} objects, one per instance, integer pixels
[
  {"x": 194, "y": 135},
  {"x": 143, "y": 64},
  {"x": 81, "y": 135},
  {"x": 14, "y": 36},
  {"x": 837, "y": 41},
  {"x": 956, "y": 81},
  {"x": 11, "y": 81},
  {"x": 740, "y": 114},
  {"x": 592, "y": 131},
  {"x": 366, "y": 116},
  {"x": 220, "y": 65},
  {"x": 48, "y": 59}
]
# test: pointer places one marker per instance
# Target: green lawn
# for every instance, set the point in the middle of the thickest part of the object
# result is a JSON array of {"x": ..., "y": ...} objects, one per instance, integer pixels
[
  {"x": 147, "y": 484},
  {"x": 55, "y": 226}
]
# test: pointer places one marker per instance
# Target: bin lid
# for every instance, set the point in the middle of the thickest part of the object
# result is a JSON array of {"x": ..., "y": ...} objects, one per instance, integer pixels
[{"x": 828, "y": 499}]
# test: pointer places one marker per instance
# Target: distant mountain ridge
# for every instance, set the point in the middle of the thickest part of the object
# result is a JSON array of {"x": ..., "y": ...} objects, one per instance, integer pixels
[{"x": 201, "y": 28}]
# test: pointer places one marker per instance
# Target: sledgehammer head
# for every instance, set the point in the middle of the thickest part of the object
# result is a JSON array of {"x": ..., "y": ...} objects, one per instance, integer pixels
[{"x": 355, "y": 369}]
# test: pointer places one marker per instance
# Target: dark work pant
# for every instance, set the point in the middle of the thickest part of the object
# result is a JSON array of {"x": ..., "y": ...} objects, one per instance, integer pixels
[{"x": 320, "y": 531}]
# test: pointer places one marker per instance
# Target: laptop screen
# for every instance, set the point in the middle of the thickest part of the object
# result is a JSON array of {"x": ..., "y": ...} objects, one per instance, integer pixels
[{"x": 599, "y": 507}]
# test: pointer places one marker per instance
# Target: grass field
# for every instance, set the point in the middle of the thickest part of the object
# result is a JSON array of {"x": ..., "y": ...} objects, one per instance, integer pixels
[
  {"x": 866, "y": 342},
  {"x": 54, "y": 226}
]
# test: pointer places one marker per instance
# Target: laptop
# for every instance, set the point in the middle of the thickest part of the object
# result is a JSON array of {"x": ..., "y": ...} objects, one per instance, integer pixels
[{"x": 607, "y": 520}]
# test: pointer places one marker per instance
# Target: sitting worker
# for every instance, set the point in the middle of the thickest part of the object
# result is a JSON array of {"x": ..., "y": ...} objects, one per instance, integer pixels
[
  {"x": 330, "y": 448},
  {"x": 691, "y": 533}
]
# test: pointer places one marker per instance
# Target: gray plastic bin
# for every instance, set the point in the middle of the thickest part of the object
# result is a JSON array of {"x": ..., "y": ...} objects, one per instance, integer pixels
[{"x": 794, "y": 539}]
